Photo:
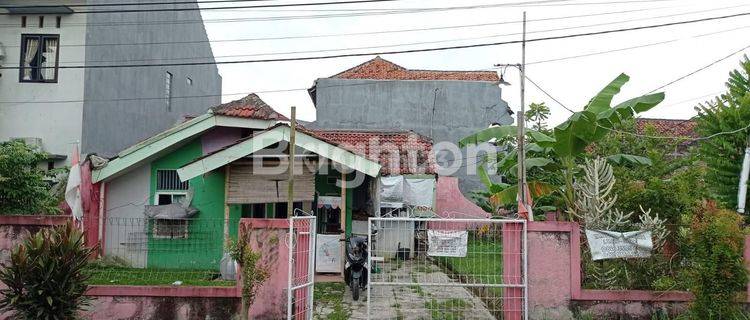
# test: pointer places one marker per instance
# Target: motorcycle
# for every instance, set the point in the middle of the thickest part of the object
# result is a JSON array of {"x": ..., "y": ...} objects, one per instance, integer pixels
[{"x": 356, "y": 268}]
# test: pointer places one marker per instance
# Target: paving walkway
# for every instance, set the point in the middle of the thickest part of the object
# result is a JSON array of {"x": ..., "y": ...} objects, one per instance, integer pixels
[{"x": 406, "y": 302}]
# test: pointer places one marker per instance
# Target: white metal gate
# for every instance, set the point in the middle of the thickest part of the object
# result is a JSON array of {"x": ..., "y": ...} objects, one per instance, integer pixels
[
  {"x": 447, "y": 269},
  {"x": 301, "y": 276}
]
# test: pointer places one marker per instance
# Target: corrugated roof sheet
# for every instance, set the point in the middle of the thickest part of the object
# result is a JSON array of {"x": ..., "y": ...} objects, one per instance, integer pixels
[
  {"x": 381, "y": 69},
  {"x": 251, "y": 107},
  {"x": 398, "y": 152}
]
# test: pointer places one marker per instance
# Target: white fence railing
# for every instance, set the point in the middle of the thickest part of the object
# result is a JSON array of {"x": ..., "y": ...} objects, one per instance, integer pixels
[{"x": 447, "y": 268}]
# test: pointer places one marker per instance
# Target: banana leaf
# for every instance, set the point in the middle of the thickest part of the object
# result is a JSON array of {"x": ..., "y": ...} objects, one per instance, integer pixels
[
  {"x": 509, "y": 195},
  {"x": 488, "y": 134},
  {"x": 628, "y": 159}
]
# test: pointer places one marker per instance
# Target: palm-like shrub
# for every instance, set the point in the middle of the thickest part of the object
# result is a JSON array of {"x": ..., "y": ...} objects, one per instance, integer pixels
[
  {"x": 723, "y": 154},
  {"x": 45, "y": 276}
]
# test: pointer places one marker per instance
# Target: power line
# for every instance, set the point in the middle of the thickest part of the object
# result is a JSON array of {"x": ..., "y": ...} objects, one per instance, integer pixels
[
  {"x": 295, "y": 17},
  {"x": 286, "y": 5},
  {"x": 633, "y": 47},
  {"x": 661, "y": 87},
  {"x": 197, "y": 8},
  {"x": 417, "y": 43},
  {"x": 700, "y": 69},
  {"x": 376, "y": 32},
  {"x": 77, "y": 5},
  {"x": 400, "y": 51}
]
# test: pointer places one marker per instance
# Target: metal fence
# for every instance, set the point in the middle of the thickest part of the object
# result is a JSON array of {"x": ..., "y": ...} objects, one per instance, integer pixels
[
  {"x": 447, "y": 269},
  {"x": 144, "y": 251},
  {"x": 301, "y": 282}
]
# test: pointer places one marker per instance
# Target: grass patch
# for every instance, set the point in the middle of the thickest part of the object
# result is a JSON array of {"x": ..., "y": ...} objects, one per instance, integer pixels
[
  {"x": 330, "y": 295},
  {"x": 451, "y": 309},
  {"x": 155, "y": 277},
  {"x": 483, "y": 262}
]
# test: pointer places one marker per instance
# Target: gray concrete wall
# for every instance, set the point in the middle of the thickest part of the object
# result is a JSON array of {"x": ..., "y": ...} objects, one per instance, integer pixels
[
  {"x": 125, "y": 235},
  {"x": 110, "y": 126},
  {"x": 446, "y": 111}
]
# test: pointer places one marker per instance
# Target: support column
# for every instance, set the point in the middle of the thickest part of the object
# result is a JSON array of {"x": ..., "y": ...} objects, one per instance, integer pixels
[
  {"x": 512, "y": 235},
  {"x": 342, "y": 218}
]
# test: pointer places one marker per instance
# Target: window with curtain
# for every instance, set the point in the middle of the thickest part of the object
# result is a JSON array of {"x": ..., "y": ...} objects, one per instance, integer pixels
[{"x": 39, "y": 58}]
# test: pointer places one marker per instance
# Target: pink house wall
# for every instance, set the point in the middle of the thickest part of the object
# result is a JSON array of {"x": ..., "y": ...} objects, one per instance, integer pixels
[{"x": 218, "y": 138}]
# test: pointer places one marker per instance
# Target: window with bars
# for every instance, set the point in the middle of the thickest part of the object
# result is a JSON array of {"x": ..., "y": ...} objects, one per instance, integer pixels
[
  {"x": 39, "y": 53},
  {"x": 169, "y": 190},
  {"x": 171, "y": 228},
  {"x": 169, "y": 180}
]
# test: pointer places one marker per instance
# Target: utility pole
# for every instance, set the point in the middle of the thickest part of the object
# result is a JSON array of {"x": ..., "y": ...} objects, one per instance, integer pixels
[
  {"x": 290, "y": 191},
  {"x": 522, "y": 196}
]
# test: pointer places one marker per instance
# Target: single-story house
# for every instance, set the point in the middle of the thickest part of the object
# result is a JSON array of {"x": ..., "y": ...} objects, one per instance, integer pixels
[{"x": 172, "y": 201}]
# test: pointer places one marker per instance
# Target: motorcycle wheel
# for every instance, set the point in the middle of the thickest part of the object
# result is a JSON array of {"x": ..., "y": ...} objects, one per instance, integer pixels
[{"x": 355, "y": 290}]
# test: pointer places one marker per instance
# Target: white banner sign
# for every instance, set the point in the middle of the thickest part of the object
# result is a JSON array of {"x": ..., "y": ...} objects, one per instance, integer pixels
[
  {"x": 447, "y": 243},
  {"x": 611, "y": 245},
  {"x": 328, "y": 253}
]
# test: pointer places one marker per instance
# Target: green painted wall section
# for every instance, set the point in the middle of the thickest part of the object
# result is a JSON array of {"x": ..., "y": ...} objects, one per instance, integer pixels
[
  {"x": 203, "y": 248},
  {"x": 324, "y": 188}
]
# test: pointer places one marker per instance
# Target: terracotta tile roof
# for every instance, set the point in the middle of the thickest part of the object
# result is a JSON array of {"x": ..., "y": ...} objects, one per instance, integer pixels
[
  {"x": 251, "y": 106},
  {"x": 381, "y": 69},
  {"x": 399, "y": 152},
  {"x": 667, "y": 127}
]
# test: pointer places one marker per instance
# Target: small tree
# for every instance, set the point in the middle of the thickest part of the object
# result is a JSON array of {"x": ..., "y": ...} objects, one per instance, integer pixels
[
  {"x": 538, "y": 114},
  {"x": 254, "y": 272},
  {"x": 45, "y": 277},
  {"x": 716, "y": 271},
  {"x": 23, "y": 188},
  {"x": 723, "y": 154}
]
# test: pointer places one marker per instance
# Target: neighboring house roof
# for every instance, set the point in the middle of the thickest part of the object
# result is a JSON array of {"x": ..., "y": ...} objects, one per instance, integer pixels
[
  {"x": 381, "y": 69},
  {"x": 279, "y": 132},
  {"x": 667, "y": 127},
  {"x": 251, "y": 106},
  {"x": 399, "y": 152}
]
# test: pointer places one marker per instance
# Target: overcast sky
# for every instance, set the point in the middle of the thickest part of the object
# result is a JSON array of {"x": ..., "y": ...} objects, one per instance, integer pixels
[{"x": 572, "y": 81}]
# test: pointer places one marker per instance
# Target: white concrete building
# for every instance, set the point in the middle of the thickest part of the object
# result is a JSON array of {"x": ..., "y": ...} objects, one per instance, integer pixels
[{"x": 46, "y": 103}]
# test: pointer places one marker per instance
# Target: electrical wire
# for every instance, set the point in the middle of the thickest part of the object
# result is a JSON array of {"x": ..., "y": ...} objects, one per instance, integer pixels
[
  {"x": 309, "y": 58},
  {"x": 412, "y": 43},
  {"x": 119, "y": 4},
  {"x": 367, "y": 32},
  {"x": 531, "y": 2},
  {"x": 90, "y": 24},
  {"x": 197, "y": 8},
  {"x": 661, "y": 87}
]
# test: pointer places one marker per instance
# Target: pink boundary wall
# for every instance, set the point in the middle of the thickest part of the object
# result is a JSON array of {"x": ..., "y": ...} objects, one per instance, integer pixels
[{"x": 554, "y": 274}]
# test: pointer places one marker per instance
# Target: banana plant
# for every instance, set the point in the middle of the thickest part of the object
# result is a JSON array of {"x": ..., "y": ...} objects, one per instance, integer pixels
[{"x": 568, "y": 140}]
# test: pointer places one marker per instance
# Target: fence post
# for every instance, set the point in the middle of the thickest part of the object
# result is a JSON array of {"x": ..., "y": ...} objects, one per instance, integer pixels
[
  {"x": 512, "y": 234},
  {"x": 746, "y": 257}
]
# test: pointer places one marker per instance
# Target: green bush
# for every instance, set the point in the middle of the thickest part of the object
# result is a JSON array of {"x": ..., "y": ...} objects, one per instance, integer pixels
[
  {"x": 45, "y": 277},
  {"x": 716, "y": 270},
  {"x": 23, "y": 186}
]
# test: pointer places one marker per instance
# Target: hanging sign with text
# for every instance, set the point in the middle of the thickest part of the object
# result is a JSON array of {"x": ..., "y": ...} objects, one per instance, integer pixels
[
  {"x": 443, "y": 243},
  {"x": 612, "y": 245}
]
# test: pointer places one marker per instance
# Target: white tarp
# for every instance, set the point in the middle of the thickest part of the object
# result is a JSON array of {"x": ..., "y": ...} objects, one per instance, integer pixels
[
  {"x": 442, "y": 243},
  {"x": 419, "y": 192},
  {"x": 612, "y": 245},
  {"x": 328, "y": 253},
  {"x": 392, "y": 189}
]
